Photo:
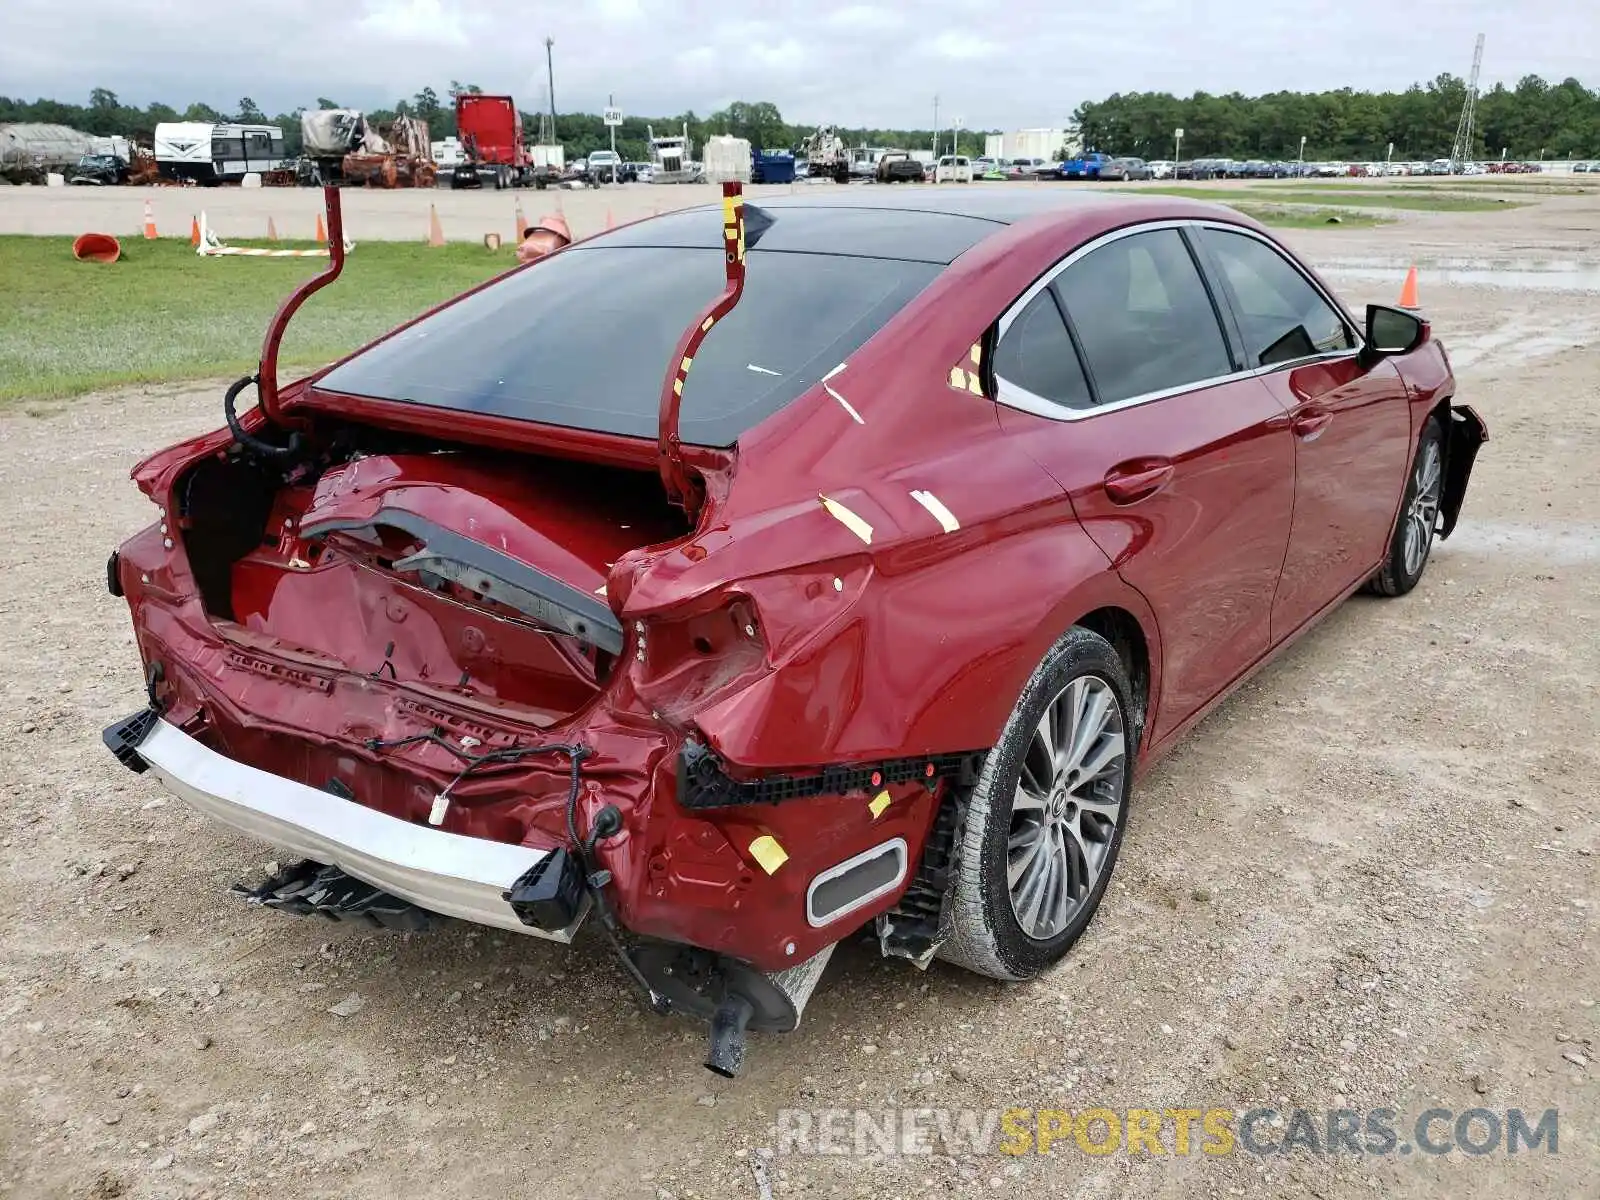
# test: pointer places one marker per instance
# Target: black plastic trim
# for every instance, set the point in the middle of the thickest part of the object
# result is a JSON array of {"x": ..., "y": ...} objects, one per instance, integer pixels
[
  {"x": 1466, "y": 432},
  {"x": 509, "y": 581},
  {"x": 702, "y": 782},
  {"x": 124, "y": 738},
  {"x": 113, "y": 578}
]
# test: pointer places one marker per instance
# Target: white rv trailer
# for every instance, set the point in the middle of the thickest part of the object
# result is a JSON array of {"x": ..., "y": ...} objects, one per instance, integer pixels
[{"x": 200, "y": 152}]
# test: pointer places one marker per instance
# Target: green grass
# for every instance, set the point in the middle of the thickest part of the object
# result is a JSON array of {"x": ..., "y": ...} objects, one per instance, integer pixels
[
  {"x": 1342, "y": 196},
  {"x": 163, "y": 313},
  {"x": 1310, "y": 218}
]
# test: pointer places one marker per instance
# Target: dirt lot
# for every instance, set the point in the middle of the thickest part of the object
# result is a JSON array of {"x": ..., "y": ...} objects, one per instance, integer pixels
[{"x": 1368, "y": 881}]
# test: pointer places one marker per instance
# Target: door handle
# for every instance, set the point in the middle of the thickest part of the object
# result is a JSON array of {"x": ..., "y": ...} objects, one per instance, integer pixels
[
  {"x": 1308, "y": 423},
  {"x": 1130, "y": 482}
]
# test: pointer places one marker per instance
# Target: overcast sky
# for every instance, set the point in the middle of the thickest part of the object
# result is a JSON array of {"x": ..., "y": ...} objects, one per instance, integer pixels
[{"x": 1013, "y": 64}]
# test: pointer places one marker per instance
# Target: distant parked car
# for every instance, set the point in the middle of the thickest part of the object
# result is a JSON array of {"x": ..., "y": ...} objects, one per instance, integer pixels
[
  {"x": 953, "y": 168},
  {"x": 1086, "y": 166},
  {"x": 605, "y": 166},
  {"x": 1124, "y": 169},
  {"x": 896, "y": 166},
  {"x": 1160, "y": 168},
  {"x": 98, "y": 170}
]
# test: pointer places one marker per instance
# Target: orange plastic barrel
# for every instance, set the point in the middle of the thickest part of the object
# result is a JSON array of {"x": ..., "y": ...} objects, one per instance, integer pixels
[{"x": 97, "y": 247}]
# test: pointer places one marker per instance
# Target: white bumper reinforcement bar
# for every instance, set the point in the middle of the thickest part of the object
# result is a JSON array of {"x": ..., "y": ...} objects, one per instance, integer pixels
[{"x": 445, "y": 873}]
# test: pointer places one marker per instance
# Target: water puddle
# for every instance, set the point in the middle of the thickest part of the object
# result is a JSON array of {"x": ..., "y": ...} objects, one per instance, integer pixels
[
  {"x": 1537, "y": 276},
  {"x": 1563, "y": 543}
]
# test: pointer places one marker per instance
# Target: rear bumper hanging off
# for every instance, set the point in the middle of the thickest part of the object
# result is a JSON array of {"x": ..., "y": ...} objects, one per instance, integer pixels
[{"x": 442, "y": 872}]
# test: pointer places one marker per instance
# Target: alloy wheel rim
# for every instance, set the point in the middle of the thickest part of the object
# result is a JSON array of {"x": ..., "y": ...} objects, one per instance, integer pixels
[
  {"x": 1067, "y": 807},
  {"x": 1423, "y": 514}
]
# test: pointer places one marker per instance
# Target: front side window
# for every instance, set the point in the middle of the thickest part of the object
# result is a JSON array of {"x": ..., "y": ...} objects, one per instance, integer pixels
[
  {"x": 1281, "y": 315},
  {"x": 1142, "y": 316}
]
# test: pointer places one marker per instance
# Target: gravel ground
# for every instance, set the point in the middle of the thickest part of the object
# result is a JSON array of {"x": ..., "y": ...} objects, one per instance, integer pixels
[{"x": 1368, "y": 880}]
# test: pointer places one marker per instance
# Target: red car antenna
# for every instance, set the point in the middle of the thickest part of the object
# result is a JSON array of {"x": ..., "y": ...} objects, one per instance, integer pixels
[
  {"x": 267, "y": 376},
  {"x": 669, "y": 447}
]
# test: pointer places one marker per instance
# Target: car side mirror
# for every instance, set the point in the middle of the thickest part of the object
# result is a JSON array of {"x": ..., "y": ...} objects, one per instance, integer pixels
[{"x": 1393, "y": 331}]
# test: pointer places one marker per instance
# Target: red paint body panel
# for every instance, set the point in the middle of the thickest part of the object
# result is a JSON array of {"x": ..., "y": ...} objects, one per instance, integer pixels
[
  {"x": 770, "y": 629},
  {"x": 1352, "y": 448},
  {"x": 1205, "y": 548}
]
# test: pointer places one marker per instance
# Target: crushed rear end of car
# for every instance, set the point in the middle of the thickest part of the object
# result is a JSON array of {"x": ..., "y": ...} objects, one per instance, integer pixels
[{"x": 460, "y": 664}]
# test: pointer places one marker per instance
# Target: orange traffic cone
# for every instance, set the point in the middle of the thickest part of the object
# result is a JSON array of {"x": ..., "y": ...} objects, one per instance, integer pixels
[
  {"x": 149, "y": 221},
  {"x": 435, "y": 230},
  {"x": 322, "y": 231},
  {"x": 521, "y": 223},
  {"x": 1408, "y": 291},
  {"x": 272, "y": 230},
  {"x": 194, "y": 231},
  {"x": 611, "y": 222}
]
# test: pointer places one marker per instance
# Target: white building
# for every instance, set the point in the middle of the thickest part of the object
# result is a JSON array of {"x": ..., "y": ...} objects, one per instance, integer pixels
[{"x": 1028, "y": 143}]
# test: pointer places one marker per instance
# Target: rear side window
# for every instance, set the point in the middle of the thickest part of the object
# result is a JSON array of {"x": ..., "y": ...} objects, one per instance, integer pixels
[
  {"x": 1036, "y": 353},
  {"x": 1281, "y": 315},
  {"x": 1142, "y": 316},
  {"x": 585, "y": 338}
]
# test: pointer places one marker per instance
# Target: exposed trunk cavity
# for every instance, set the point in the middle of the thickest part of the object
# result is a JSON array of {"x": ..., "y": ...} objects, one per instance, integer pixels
[{"x": 476, "y": 576}]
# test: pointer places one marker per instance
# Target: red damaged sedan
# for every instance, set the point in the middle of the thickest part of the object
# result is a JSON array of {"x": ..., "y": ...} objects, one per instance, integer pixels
[{"x": 745, "y": 577}]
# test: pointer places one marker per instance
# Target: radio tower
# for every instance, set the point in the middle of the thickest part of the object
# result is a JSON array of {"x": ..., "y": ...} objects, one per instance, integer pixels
[{"x": 1462, "y": 150}]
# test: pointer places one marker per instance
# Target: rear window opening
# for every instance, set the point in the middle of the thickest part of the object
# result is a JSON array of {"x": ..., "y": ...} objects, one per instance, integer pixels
[{"x": 585, "y": 339}]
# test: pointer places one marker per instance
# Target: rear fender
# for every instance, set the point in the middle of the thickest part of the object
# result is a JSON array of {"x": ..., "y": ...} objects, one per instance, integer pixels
[{"x": 1464, "y": 433}]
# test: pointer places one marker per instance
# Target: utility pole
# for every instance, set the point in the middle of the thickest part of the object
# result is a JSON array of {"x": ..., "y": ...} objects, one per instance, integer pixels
[
  {"x": 936, "y": 126},
  {"x": 550, "y": 68}
]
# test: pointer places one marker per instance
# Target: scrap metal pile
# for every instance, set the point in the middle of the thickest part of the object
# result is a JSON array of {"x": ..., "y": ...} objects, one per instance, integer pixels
[{"x": 343, "y": 148}]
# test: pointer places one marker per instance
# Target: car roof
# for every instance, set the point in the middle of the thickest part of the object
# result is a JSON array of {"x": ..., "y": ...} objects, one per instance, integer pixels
[{"x": 925, "y": 226}]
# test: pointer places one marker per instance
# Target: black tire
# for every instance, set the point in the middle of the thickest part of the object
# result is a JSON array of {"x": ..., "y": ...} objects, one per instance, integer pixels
[
  {"x": 1398, "y": 576},
  {"x": 986, "y": 935}
]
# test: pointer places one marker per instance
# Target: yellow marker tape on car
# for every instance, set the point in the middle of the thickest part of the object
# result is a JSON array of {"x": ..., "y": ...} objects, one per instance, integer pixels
[
  {"x": 958, "y": 379},
  {"x": 848, "y": 519},
  {"x": 766, "y": 851},
  {"x": 878, "y": 803}
]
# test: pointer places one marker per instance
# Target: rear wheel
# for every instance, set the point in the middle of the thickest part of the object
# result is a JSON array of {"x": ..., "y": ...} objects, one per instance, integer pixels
[
  {"x": 1412, "y": 540},
  {"x": 1045, "y": 821}
]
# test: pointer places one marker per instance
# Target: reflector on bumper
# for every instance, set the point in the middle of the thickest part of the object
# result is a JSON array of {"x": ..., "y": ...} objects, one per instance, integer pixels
[{"x": 443, "y": 872}]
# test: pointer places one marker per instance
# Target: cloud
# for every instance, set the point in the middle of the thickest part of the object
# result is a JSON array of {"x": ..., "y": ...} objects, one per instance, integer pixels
[
  {"x": 874, "y": 63},
  {"x": 962, "y": 47},
  {"x": 428, "y": 22}
]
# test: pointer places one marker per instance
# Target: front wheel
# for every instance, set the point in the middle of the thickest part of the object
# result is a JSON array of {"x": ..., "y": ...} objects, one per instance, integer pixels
[
  {"x": 1412, "y": 540},
  {"x": 1046, "y": 819}
]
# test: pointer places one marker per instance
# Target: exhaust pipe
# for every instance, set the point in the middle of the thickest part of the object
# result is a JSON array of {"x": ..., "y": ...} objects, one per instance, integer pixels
[
  {"x": 725, "y": 1043},
  {"x": 732, "y": 995}
]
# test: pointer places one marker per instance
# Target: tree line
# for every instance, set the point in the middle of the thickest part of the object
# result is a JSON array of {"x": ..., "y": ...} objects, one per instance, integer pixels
[
  {"x": 1532, "y": 120},
  {"x": 760, "y": 122}
]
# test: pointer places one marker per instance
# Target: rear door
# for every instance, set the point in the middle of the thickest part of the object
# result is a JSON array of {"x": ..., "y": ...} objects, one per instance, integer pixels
[
  {"x": 1351, "y": 424},
  {"x": 1117, "y": 373}
]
